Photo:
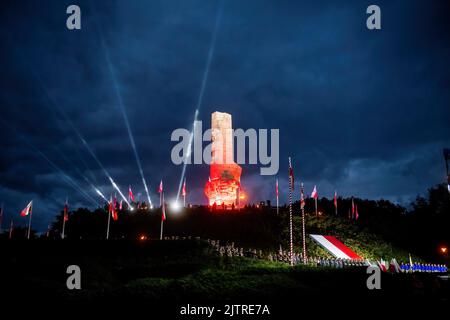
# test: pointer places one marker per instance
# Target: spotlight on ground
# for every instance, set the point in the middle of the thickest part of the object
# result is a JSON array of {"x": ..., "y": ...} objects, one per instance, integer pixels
[{"x": 175, "y": 206}]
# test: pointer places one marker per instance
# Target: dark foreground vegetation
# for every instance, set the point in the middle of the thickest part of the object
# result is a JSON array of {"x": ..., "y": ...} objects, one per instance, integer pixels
[
  {"x": 172, "y": 273},
  {"x": 383, "y": 230},
  {"x": 188, "y": 271}
]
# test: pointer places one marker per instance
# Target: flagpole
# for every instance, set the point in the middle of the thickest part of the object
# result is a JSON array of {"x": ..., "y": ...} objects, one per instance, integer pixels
[
  {"x": 304, "y": 235},
  {"x": 64, "y": 219},
  {"x": 29, "y": 225},
  {"x": 278, "y": 208},
  {"x": 107, "y": 228},
  {"x": 303, "y": 226},
  {"x": 335, "y": 203},
  {"x": 277, "y": 198},
  {"x": 316, "y": 204},
  {"x": 162, "y": 212},
  {"x": 11, "y": 229},
  {"x": 291, "y": 240},
  {"x": 64, "y": 226},
  {"x": 184, "y": 193}
]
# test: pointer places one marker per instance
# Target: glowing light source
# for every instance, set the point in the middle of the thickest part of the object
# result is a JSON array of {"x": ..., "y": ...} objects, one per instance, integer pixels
[
  {"x": 443, "y": 250},
  {"x": 175, "y": 206},
  {"x": 143, "y": 237}
]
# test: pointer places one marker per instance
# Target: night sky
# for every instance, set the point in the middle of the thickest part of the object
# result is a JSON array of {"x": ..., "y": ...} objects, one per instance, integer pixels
[{"x": 364, "y": 112}]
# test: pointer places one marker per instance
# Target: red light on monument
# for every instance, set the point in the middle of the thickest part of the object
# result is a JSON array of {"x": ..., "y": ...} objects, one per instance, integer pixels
[{"x": 225, "y": 174}]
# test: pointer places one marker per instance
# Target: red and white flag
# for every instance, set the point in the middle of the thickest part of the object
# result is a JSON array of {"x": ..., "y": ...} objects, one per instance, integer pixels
[
  {"x": 163, "y": 216},
  {"x": 353, "y": 208},
  {"x": 314, "y": 193},
  {"x": 28, "y": 209},
  {"x": 383, "y": 265},
  {"x": 130, "y": 194},
  {"x": 302, "y": 197},
  {"x": 356, "y": 212},
  {"x": 120, "y": 205},
  {"x": 394, "y": 267},
  {"x": 66, "y": 211},
  {"x": 112, "y": 208},
  {"x": 160, "y": 190},
  {"x": 335, "y": 247},
  {"x": 110, "y": 205},
  {"x": 335, "y": 199},
  {"x": 183, "y": 191},
  {"x": 276, "y": 188}
]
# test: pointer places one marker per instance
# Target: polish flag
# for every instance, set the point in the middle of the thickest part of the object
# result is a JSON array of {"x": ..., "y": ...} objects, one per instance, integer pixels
[
  {"x": 353, "y": 208},
  {"x": 112, "y": 208},
  {"x": 335, "y": 247},
  {"x": 28, "y": 209},
  {"x": 383, "y": 266},
  {"x": 183, "y": 191},
  {"x": 66, "y": 211},
  {"x": 160, "y": 190},
  {"x": 302, "y": 197},
  {"x": 276, "y": 188},
  {"x": 314, "y": 193},
  {"x": 163, "y": 216},
  {"x": 130, "y": 194},
  {"x": 335, "y": 199}
]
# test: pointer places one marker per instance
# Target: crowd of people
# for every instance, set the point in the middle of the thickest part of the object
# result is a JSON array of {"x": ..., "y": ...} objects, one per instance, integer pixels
[
  {"x": 421, "y": 267},
  {"x": 230, "y": 250}
]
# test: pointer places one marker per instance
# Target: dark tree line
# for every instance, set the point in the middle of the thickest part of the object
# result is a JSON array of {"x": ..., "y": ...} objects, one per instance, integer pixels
[{"x": 421, "y": 228}]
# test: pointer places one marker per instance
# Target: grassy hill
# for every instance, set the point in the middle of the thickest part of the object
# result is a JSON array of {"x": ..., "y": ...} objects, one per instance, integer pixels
[
  {"x": 365, "y": 243},
  {"x": 181, "y": 271},
  {"x": 259, "y": 228}
]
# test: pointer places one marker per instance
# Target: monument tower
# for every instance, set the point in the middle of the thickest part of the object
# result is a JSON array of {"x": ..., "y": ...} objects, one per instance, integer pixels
[{"x": 225, "y": 174}]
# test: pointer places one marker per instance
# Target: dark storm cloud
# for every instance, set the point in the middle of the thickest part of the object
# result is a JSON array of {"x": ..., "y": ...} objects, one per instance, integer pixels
[{"x": 359, "y": 111}]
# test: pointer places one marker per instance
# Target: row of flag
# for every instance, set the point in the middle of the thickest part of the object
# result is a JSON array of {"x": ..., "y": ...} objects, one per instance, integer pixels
[
  {"x": 113, "y": 205},
  {"x": 353, "y": 214}
]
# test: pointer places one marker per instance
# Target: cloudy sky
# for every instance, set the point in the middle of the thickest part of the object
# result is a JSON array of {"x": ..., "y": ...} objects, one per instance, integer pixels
[{"x": 364, "y": 112}]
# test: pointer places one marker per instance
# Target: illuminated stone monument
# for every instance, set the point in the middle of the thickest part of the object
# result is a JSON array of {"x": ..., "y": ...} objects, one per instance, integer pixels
[{"x": 225, "y": 174}]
